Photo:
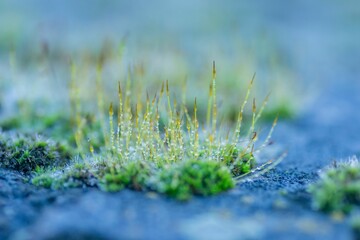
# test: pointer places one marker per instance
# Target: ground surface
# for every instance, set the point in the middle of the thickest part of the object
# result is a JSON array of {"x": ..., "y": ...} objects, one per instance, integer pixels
[{"x": 274, "y": 206}]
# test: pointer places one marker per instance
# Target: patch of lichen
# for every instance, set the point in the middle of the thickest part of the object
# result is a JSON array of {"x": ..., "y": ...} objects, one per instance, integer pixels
[
  {"x": 26, "y": 153},
  {"x": 194, "y": 177},
  {"x": 338, "y": 189}
]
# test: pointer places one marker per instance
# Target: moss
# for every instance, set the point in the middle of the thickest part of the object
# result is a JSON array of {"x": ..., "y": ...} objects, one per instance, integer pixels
[
  {"x": 244, "y": 164},
  {"x": 59, "y": 126},
  {"x": 194, "y": 177},
  {"x": 79, "y": 175},
  {"x": 32, "y": 122},
  {"x": 74, "y": 176},
  {"x": 238, "y": 162},
  {"x": 355, "y": 225},
  {"x": 133, "y": 175},
  {"x": 26, "y": 153},
  {"x": 182, "y": 181},
  {"x": 338, "y": 189},
  {"x": 43, "y": 180},
  {"x": 283, "y": 111},
  {"x": 10, "y": 123},
  {"x": 154, "y": 146}
]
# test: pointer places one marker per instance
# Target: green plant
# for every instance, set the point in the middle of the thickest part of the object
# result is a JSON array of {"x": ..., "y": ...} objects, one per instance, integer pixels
[
  {"x": 27, "y": 153},
  {"x": 59, "y": 126},
  {"x": 355, "y": 224},
  {"x": 282, "y": 110},
  {"x": 338, "y": 189},
  {"x": 162, "y": 140},
  {"x": 78, "y": 175},
  {"x": 237, "y": 161},
  {"x": 133, "y": 175},
  {"x": 159, "y": 145},
  {"x": 194, "y": 177},
  {"x": 72, "y": 176},
  {"x": 43, "y": 180},
  {"x": 136, "y": 134}
]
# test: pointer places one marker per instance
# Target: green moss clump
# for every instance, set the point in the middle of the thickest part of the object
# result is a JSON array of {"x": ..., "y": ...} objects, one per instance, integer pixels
[
  {"x": 355, "y": 225},
  {"x": 133, "y": 175},
  {"x": 338, "y": 189},
  {"x": 26, "y": 153},
  {"x": 77, "y": 175},
  {"x": 244, "y": 164},
  {"x": 283, "y": 111},
  {"x": 29, "y": 120},
  {"x": 59, "y": 126},
  {"x": 10, "y": 123},
  {"x": 43, "y": 180},
  {"x": 194, "y": 177},
  {"x": 238, "y": 162},
  {"x": 154, "y": 145}
]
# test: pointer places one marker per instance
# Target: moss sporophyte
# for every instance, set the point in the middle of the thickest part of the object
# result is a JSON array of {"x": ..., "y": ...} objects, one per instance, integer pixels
[{"x": 158, "y": 145}]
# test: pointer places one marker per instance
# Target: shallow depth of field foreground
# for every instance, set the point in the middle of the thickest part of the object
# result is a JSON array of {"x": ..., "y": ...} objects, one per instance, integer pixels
[{"x": 179, "y": 120}]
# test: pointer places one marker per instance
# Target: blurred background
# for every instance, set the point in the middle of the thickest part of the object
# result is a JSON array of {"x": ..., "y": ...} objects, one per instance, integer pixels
[{"x": 296, "y": 48}]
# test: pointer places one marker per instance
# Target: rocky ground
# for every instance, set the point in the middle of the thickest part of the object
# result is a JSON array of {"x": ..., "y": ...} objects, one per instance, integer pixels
[{"x": 273, "y": 206}]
